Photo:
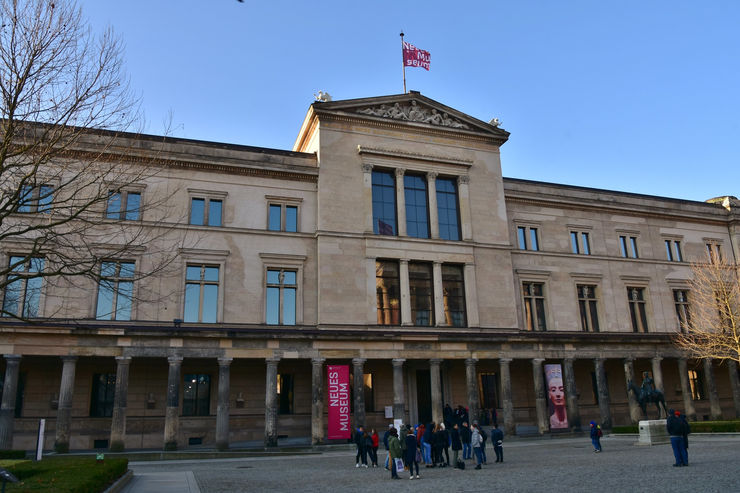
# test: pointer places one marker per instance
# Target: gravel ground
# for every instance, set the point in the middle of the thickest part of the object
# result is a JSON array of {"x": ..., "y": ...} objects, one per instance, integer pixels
[{"x": 566, "y": 464}]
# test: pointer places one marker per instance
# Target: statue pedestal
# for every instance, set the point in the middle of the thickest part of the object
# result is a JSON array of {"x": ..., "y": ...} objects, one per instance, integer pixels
[{"x": 653, "y": 432}]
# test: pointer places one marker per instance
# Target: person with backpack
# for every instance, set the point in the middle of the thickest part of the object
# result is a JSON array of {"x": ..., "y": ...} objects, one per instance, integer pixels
[
  {"x": 596, "y": 435},
  {"x": 497, "y": 439},
  {"x": 476, "y": 442},
  {"x": 484, "y": 436}
]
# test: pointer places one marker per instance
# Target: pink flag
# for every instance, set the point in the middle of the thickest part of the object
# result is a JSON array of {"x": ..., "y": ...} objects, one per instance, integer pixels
[
  {"x": 339, "y": 399},
  {"x": 414, "y": 57}
]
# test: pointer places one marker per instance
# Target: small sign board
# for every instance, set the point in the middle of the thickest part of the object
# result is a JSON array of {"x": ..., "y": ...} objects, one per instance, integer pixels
[{"x": 389, "y": 412}]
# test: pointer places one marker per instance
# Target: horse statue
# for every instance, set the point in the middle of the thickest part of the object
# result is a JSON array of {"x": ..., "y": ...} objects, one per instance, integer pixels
[{"x": 644, "y": 396}]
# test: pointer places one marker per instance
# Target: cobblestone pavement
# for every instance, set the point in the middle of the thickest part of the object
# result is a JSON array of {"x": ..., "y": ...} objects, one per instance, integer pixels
[{"x": 557, "y": 465}]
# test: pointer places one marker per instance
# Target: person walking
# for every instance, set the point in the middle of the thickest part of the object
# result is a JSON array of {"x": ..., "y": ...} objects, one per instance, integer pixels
[
  {"x": 456, "y": 444},
  {"x": 394, "y": 447},
  {"x": 465, "y": 437},
  {"x": 676, "y": 430},
  {"x": 374, "y": 443},
  {"x": 412, "y": 455},
  {"x": 361, "y": 451},
  {"x": 476, "y": 442},
  {"x": 497, "y": 439},
  {"x": 596, "y": 436}
]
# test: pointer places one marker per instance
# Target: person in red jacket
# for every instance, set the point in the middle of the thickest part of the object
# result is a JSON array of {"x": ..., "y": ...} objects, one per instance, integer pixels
[{"x": 376, "y": 443}]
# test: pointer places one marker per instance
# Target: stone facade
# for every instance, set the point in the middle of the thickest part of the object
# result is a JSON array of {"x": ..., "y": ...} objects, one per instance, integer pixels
[{"x": 297, "y": 254}]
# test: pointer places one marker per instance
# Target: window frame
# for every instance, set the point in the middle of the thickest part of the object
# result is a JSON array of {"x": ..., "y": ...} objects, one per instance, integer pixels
[
  {"x": 204, "y": 261},
  {"x": 195, "y": 409},
  {"x": 33, "y": 203},
  {"x": 393, "y": 173},
  {"x": 535, "y": 316},
  {"x": 409, "y": 188},
  {"x": 458, "y": 230},
  {"x": 525, "y": 233},
  {"x": 390, "y": 314},
  {"x": 673, "y": 249},
  {"x": 284, "y": 203},
  {"x": 25, "y": 278},
  {"x": 116, "y": 293},
  {"x": 580, "y": 241},
  {"x": 640, "y": 325},
  {"x": 207, "y": 196},
  {"x": 124, "y": 191},
  {"x": 682, "y": 308},
  {"x": 448, "y": 314},
  {"x": 412, "y": 296},
  {"x": 108, "y": 398},
  {"x": 713, "y": 249},
  {"x": 627, "y": 241},
  {"x": 588, "y": 305},
  {"x": 283, "y": 262}
]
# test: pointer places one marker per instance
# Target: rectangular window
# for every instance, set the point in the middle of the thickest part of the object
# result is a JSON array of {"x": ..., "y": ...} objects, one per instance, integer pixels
[
  {"x": 36, "y": 199},
  {"x": 388, "y": 292},
  {"x": 487, "y": 386},
  {"x": 628, "y": 246},
  {"x": 673, "y": 250},
  {"x": 579, "y": 243},
  {"x": 101, "y": 397},
  {"x": 369, "y": 392},
  {"x": 681, "y": 300},
  {"x": 714, "y": 252},
  {"x": 115, "y": 291},
  {"x": 201, "y": 293},
  {"x": 23, "y": 289},
  {"x": 285, "y": 393},
  {"x": 422, "y": 293},
  {"x": 123, "y": 205},
  {"x": 206, "y": 211},
  {"x": 196, "y": 395},
  {"x": 449, "y": 223},
  {"x": 588, "y": 307},
  {"x": 283, "y": 217},
  {"x": 534, "y": 305},
  {"x": 527, "y": 238},
  {"x": 638, "y": 310},
  {"x": 282, "y": 286},
  {"x": 453, "y": 292},
  {"x": 417, "y": 216},
  {"x": 696, "y": 382},
  {"x": 384, "y": 203}
]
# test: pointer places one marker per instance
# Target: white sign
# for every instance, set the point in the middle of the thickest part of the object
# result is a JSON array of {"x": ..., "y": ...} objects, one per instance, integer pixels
[
  {"x": 40, "y": 439},
  {"x": 389, "y": 412}
]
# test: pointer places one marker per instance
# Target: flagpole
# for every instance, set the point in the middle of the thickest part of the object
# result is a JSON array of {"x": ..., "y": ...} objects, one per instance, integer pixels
[{"x": 403, "y": 65}]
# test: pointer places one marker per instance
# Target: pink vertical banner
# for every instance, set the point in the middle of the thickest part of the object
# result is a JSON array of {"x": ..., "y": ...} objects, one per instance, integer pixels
[
  {"x": 339, "y": 399},
  {"x": 556, "y": 397}
]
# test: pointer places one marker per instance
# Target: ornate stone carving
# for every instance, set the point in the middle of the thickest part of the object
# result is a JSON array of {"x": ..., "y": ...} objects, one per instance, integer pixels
[
  {"x": 413, "y": 112},
  {"x": 367, "y": 168},
  {"x": 463, "y": 179}
]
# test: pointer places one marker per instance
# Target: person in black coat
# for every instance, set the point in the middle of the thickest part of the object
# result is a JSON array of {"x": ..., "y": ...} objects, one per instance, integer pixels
[
  {"x": 497, "y": 438},
  {"x": 410, "y": 454},
  {"x": 361, "y": 449},
  {"x": 456, "y": 444},
  {"x": 465, "y": 437},
  {"x": 445, "y": 442}
]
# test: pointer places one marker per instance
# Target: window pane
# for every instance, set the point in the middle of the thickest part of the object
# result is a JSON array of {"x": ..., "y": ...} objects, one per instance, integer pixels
[
  {"x": 46, "y": 194},
  {"x": 36, "y": 264},
  {"x": 214, "y": 212},
  {"x": 192, "y": 302},
  {"x": 623, "y": 246},
  {"x": 289, "y": 306},
  {"x": 273, "y": 223},
  {"x": 668, "y": 253},
  {"x": 210, "y": 303},
  {"x": 33, "y": 297},
  {"x": 679, "y": 257},
  {"x": 113, "y": 210},
  {"x": 133, "y": 206},
  {"x": 447, "y": 209},
  {"x": 210, "y": 274},
  {"x": 521, "y": 235},
  {"x": 25, "y": 199},
  {"x": 384, "y": 203},
  {"x": 108, "y": 269},
  {"x": 104, "y": 309},
  {"x": 586, "y": 246},
  {"x": 633, "y": 244},
  {"x": 123, "y": 303},
  {"x": 197, "y": 211},
  {"x": 291, "y": 218},
  {"x": 273, "y": 306},
  {"x": 289, "y": 278},
  {"x": 453, "y": 292},
  {"x": 193, "y": 273},
  {"x": 12, "y": 296},
  {"x": 127, "y": 269},
  {"x": 273, "y": 277},
  {"x": 574, "y": 242},
  {"x": 533, "y": 237},
  {"x": 420, "y": 287},
  {"x": 541, "y": 325},
  {"x": 417, "y": 218},
  {"x": 594, "y": 315},
  {"x": 387, "y": 290}
]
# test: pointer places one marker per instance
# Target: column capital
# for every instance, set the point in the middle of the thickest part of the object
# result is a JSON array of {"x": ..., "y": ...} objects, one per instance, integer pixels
[
  {"x": 437, "y": 262},
  {"x": 318, "y": 361},
  {"x": 471, "y": 361},
  {"x": 600, "y": 360},
  {"x": 505, "y": 360},
  {"x": 399, "y": 172},
  {"x": 403, "y": 261},
  {"x": 70, "y": 359},
  {"x": 358, "y": 361},
  {"x": 367, "y": 168},
  {"x": 123, "y": 360},
  {"x": 174, "y": 360},
  {"x": 570, "y": 358},
  {"x": 658, "y": 358},
  {"x": 463, "y": 180},
  {"x": 225, "y": 361},
  {"x": 432, "y": 175},
  {"x": 12, "y": 358},
  {"x": 398, "y": 361},
  {"x": 435, "y": 361},
  {"x": 538, "y": 361},
  {"x": 273, "y": 360},
  {"x": 629, "y": 359}
]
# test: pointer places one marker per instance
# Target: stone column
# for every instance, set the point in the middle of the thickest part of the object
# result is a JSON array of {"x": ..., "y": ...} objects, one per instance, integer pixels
[
  {"x": 471, "y": 296},
  {"x": 222, "y": 410},
  {"x": 688, "y": 401},
  {"x": 400, "y": 202},
  {"x": 463, "y": 193},
  {"x": 539, "y": 395},
  {"x": 571, "y": 394},
  {"x": 715, "y": 410},
  {"x": 471, "y": 379},
  {"x": 629, "y": 376},
  {"x": 367, "y": 196},
  {"x": 658, "y": 374},
  {"x": 432, "y": 200},
  {"x": 405, "y": 292},
  {"x": 7, "y": 408},
  {"x": 439, "y": 308},
  {"x": 117, "y": 442},
  {"x": 318, "y": 432},
  {"x": 64, "y": 411},
  {"x": 399, "y": 406},
  {"x": 172, "y": 409},
  {"x": 434, "y": 366},
  {"x": 271, "y": 402},
  {"x": 603, "y": 390},
  {"x": 734, "y": 384},
  {"x": 508, "y": 404},
  {"x": 358, "y": 372}
]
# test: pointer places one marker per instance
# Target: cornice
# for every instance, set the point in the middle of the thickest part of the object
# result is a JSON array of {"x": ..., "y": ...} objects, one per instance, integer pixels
[{"x": 376, "y": 151}]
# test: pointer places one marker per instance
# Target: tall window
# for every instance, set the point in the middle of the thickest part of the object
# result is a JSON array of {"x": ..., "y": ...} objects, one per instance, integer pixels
[
  {"x": 579, "y": 242},
  {"x": 281, "y": 296},
  {"x": 673, "y": 250},
  {"x": 587, "y": 304},
  {"x": 206, "y": 211},
  {"x": 681, "y": 300},
  {"x": 534, "y": 305},
  {"x": 196, "y": 396},
  {"x": 696, "y": 382},
  {"x": 527, "y": 238},
  {"x": 101, "y": 398},
  {"x": 417, "y": 217},
  {"x": 487, "y": 386},
  {"x": 453, "y": 291},
  {"x": 384, "y": 203},
  {"x": 449, "y": 223},
  {"x": 714, "y": 252},
  {"x": 283, "y": 217},
  {"x": 388, "y": 292},
  {"x": 422, "y": 293},
  {"x": 23, "y": 291},
  {"x": 115, "y": 291},
  {"x": 285, "y": 393},
  {"x": 123, "y": 205},
  {"x": 628, "y": 246},
  {"x": 36, "y": 199},
  {"x": 201, "y": 293},
  {"x": 367, "y": 390},
  {"x": 638, "y": 310}
]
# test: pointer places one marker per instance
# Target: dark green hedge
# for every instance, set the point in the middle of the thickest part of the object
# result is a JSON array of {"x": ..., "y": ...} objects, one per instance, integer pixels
[
  {"x": 625, "y": 429},
  {"x": 12, "y": 454},
  {"x": 696, "y": 427},
  {"x": 67, "y": 475}
]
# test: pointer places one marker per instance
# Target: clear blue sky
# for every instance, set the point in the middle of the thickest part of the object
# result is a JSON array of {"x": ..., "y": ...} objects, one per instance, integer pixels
[{"x": 639, "y": 96}]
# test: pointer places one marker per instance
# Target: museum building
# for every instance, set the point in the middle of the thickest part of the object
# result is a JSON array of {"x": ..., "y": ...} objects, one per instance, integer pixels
[{"x": 386, "y": 240}]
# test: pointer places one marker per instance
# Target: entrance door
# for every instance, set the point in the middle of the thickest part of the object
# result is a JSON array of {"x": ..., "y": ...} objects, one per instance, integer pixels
[{"x": 424, "y": 396}]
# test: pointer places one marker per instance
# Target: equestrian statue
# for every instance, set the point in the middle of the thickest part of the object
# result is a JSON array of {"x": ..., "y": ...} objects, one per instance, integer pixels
[{"x": 648, "y": 393}]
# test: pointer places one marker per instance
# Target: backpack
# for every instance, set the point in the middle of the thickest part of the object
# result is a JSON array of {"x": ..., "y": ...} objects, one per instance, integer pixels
[
  {"x": 598, "y": 432},
  {"x": 483, "y": 435}
]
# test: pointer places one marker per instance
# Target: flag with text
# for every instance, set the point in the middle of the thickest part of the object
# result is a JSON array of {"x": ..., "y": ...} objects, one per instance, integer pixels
[{"x": 414, "y": 57}]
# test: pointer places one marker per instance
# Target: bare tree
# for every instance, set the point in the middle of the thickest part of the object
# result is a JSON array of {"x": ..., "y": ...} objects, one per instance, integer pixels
[
  {"x": 71, "y": 171},
  {"x": 712, "y": 328}
]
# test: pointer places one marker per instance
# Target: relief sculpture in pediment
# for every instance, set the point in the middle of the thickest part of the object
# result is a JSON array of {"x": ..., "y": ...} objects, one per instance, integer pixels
[{"x": 413, "y": 112}]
